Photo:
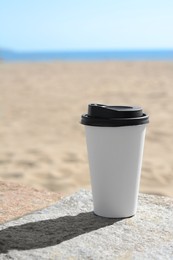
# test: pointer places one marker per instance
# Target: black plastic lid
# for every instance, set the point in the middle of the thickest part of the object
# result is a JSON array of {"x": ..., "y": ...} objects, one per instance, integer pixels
[{"x": 102, "y": 115}]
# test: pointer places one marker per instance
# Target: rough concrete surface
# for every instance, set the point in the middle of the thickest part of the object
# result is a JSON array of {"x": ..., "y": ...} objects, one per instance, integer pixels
[{"x": 70, "y": 230}]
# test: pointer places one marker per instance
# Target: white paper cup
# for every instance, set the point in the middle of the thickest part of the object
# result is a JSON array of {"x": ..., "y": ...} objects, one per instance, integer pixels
[{"x": 115, "y": 159}]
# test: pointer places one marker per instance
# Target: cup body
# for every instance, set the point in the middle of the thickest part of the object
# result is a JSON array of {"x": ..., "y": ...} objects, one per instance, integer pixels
[{"x": 115, "y": 160}]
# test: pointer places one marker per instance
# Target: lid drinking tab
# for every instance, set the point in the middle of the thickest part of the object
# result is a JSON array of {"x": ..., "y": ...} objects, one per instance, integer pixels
[{"x": 98, "y": 110}]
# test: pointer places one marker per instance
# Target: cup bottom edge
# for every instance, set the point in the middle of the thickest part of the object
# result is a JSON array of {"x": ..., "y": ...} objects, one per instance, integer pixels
[{"x": 110, "y": 217}]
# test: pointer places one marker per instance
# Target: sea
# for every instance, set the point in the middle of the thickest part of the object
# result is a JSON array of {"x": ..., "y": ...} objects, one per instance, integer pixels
[{"x": 121, "y": 55}]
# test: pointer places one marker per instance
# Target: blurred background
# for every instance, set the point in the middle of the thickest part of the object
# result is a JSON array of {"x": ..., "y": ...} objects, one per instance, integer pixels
[{"x": 58, "y": 56}]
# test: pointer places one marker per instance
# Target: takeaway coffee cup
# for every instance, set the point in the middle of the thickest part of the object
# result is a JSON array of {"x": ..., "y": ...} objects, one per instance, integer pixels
[{"x": 115, "y": 140}]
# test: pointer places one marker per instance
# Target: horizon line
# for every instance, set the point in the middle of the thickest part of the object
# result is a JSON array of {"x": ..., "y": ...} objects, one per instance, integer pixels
[{"x": 86, "y": 50}]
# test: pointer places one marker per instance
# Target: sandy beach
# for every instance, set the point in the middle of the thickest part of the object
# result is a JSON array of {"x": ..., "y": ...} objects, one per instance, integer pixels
[{"x": 43, "y": 143}]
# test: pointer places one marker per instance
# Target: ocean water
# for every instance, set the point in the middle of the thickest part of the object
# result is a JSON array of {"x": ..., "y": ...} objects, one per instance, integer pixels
[{"x": 88, "y": 55}]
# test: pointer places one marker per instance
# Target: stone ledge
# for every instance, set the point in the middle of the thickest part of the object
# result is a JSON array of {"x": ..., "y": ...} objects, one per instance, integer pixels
[
  {"x": 70, "y": 230},
  {"x": 18, "y": 200}
]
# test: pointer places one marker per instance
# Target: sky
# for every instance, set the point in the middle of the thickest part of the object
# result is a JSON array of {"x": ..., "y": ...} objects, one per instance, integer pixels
[{"x": 38, "y": 25}]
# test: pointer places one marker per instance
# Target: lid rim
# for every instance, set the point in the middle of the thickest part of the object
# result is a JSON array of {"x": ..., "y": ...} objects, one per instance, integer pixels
[{"x": 113, "y": 122}]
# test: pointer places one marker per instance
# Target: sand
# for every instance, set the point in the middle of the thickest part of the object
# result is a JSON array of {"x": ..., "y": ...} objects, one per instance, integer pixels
[
  {"x": 42, "y": 143},
  {"x": 18, "y": 200}
]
